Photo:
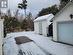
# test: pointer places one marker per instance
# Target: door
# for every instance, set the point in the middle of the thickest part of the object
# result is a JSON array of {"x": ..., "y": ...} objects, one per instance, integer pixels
[
  {"x": 50, "y": 30},
  {"x": 40, "y": 28},
  {"x": 65, "y": 32}
]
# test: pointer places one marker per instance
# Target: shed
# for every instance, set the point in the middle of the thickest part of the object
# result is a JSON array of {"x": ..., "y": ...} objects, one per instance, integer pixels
[
  {"x": 41, "y": 24},
  {"x": 63, "y": 25}
]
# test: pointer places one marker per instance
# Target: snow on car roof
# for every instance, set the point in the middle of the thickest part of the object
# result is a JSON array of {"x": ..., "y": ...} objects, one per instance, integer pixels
[{"x": 49, "y": 16}]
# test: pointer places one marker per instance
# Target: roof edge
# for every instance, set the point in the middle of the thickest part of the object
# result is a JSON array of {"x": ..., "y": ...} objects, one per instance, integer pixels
[
  {"x": 69, "y": 3},
  {"x": 43, "y": 17}
]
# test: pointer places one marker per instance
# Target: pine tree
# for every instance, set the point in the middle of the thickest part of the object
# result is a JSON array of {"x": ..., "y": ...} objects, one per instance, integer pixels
[
  {"x": 23, "y": 5},
  {"x": 53, "y": 9},
  {"x": 63, "y": 3}
]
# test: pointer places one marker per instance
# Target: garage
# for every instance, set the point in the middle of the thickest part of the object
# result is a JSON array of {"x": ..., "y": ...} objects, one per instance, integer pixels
[
  {"x": 41, "y": 24},
  {"x": 63, "y": 25},
  {"x": 65, "y": 32}
]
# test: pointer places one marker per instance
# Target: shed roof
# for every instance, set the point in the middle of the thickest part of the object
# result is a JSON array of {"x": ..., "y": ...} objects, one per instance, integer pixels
[{"x": 49, "y": 17}]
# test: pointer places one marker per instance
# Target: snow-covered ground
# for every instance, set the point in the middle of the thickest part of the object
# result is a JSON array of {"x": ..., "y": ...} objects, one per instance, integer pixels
[{"x": 42, "y": 44}]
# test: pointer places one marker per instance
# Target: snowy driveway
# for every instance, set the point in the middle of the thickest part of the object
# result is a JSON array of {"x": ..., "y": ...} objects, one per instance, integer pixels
[
  {"x": 42, "y": 45},
  {"x": 30, "y": 48}
]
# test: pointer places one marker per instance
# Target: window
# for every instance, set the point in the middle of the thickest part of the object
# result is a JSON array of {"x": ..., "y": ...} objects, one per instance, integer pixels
[{"x": 3, "y": 4}]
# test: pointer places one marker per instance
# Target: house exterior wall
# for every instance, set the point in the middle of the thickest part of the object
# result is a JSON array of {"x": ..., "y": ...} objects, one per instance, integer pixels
[
  {"x": 1, "y": 35},
  {"x": 44, "y": 27},
  {"x": 36, "y": 27},
  {"x": 63, "y": 16}
]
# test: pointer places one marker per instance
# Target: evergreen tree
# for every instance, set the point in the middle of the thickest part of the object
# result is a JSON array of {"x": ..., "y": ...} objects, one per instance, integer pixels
[
  {"x": 63, "y": 3},
  {"x": 23, "y": 5},
  {"x": 54, "y": 9}
]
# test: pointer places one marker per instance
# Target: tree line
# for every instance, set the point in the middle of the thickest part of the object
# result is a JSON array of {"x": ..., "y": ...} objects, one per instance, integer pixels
[
  {"x": 12, "y": 24},
  {"x": 53, "y": 9}
]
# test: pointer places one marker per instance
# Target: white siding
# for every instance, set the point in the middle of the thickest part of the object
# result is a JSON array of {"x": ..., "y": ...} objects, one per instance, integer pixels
[
  {"x": 64, "y": 16},
  {"x": 36, "y": 27},
  {"x": 44, "y": 28},
  {"x": 40, "y": 28},
  {"x": 1, "y": 35},
  {"x": 41, "y": 24}
]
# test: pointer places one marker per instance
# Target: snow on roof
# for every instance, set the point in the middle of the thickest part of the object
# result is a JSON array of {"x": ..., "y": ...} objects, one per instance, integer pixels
[{"x": 49, "y": 16}]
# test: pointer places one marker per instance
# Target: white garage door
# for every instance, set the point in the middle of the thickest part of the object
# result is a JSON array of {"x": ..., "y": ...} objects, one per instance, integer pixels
[{"x": 65, "y": 32}]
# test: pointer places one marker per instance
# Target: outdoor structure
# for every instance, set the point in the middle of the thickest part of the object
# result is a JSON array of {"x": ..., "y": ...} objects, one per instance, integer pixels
[
  {"x": 63, "y": 25},
  {"x": 42, "y": 23},
  {"x": 3, "y": 4},
  {"x": 1, "y": 35}
]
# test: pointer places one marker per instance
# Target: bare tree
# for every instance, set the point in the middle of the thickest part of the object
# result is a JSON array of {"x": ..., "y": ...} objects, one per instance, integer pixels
[
  {"x": 16, "y": 13},
  {"x": 9, "y": 13}
]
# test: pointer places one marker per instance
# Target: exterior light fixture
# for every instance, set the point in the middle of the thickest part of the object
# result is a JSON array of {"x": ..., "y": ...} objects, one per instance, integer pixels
[{"x": 71, "y": 16}]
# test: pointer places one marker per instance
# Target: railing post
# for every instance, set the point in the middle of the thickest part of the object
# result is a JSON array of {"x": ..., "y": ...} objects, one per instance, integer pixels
[{"x": 1, "y": 35}]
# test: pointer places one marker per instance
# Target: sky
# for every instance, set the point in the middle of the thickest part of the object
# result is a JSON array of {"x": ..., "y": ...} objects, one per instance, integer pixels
[{"x": 33, "y": 6}]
